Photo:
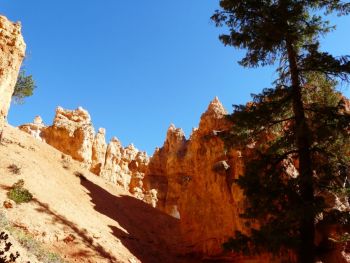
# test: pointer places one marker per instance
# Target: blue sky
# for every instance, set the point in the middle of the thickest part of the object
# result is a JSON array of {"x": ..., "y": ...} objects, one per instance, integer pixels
[{"x": 136, "y": 66}]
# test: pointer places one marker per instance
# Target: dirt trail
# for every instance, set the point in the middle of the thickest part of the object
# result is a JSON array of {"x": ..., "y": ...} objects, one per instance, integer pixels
[{"x": 77, "y": 214}]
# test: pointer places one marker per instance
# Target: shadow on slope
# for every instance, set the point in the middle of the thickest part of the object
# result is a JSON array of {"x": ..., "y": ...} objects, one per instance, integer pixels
[
  {"x": 151, "y": 236},
  {"x": 83, "y": 235}
]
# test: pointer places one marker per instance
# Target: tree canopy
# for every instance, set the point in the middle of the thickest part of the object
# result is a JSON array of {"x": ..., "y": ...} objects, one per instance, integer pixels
[{"x": 296, "y": 126}]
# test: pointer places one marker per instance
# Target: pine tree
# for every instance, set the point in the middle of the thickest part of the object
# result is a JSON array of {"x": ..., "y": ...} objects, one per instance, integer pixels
[{"x": 291, "y": 123}]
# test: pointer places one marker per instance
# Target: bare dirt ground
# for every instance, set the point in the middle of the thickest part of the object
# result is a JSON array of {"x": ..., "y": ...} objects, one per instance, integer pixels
[{"x": 78, "y": 215}]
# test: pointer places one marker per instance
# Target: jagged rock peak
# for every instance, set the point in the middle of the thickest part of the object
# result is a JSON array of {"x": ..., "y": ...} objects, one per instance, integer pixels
[
  {"x": 216, "y": 108},
  {"x": 172, "y": 126},
  {"x": 79, "y": 115},
  {"x": 212, "y": 119},
  {"x": 175, "y": 138},
  {"x": 172, "y": 130}
]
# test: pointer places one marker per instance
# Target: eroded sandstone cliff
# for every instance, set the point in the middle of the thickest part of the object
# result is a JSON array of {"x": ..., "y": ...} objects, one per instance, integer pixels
[
  {"x": 194, "y": 182},
  {"x": 72, "y": 133},
  {"x": 12, "y": 53}
]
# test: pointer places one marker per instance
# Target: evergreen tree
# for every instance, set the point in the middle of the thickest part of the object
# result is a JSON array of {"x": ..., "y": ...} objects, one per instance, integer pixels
[
  {"x": 24, "y": 87},
  {"x": 296, "y": 124}
]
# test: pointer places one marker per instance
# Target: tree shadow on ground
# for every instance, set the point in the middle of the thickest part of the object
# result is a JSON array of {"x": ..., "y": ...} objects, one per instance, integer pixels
[
  {"x": 82, "y": 234},
  {"x": 150, "y": 235}
]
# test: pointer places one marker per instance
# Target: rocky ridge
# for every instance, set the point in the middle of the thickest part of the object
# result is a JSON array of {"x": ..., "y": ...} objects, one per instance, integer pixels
[{"x": 72, "y": 133}]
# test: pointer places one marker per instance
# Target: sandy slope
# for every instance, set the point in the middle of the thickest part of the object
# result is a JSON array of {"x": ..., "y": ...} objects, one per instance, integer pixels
[{"x": 84, "y": 219}]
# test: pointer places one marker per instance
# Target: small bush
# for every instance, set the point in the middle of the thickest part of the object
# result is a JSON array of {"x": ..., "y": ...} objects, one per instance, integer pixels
[
  {"x": 19, "y": 194},
  {"x": 13, "y": 168}
]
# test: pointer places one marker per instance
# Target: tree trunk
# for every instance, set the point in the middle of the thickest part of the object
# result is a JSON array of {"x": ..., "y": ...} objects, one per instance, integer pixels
[{"x": 306, "y": 251}]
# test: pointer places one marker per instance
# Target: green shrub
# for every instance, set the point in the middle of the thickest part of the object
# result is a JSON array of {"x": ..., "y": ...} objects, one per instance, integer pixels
[
  {"x": 24, "y": 87},
  {"x": 19, "y": 194}
]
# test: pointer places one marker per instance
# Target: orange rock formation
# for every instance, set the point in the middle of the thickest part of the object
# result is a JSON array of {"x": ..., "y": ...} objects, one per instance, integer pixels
[
  {"x": 72, "y": 133},
  {"x": 193, "y": 179}
]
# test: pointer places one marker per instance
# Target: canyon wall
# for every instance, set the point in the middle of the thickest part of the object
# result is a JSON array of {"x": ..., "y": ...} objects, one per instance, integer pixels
[{"x": 12, "y": 53}]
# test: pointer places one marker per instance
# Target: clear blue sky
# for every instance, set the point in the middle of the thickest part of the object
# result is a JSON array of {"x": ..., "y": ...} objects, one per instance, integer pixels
[{"x": 136, "y": 66}]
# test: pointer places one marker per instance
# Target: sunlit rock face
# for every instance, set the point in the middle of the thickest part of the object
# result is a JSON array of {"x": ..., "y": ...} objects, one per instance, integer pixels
[
  {"x": 193, "y": 179},
  {"x": 72, "y": 133},
  {"x": 125, "y": 166},
  {"x": 99, "y": 148},
  {"x": 138, "y": 167},
  {"x": 12, "y": 53},
  {"x": 112, "y": 170}
]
